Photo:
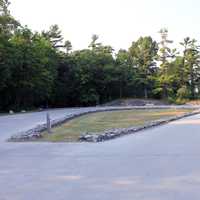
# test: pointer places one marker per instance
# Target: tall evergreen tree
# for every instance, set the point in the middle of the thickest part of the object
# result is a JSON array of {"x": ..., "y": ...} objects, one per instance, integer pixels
[{"x": 143, "y": 53}]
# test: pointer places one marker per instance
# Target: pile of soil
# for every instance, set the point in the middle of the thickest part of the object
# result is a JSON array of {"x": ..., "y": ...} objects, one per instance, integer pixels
[
  {"x": 193, "y": 103},
  {"x": 136, "y": 102}
]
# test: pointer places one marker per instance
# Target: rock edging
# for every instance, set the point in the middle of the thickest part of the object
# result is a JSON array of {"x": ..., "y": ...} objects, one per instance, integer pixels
[
  {"x": 36, "y": 133},
  {"x": 114, "y": 133}
]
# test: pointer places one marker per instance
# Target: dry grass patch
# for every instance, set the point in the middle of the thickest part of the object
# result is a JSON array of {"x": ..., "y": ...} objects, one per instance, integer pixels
[{"x": 101, "y": 121}]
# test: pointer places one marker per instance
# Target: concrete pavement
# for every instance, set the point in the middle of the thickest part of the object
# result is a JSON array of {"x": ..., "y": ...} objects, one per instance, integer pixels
[
  {"x": 12, "y": 124},
  {"x": 162, "y": 163}
]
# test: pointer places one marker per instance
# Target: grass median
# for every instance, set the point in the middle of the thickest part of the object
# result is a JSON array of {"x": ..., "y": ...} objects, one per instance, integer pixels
[{"x": 101, "y": 121}]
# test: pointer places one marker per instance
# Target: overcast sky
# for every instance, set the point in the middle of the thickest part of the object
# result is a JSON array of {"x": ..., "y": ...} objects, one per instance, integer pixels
[{"x": 117, "y": 22}]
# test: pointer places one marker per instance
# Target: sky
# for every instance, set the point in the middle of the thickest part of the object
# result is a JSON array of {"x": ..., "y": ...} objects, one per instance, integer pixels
[{"x": 117, "y": 22}]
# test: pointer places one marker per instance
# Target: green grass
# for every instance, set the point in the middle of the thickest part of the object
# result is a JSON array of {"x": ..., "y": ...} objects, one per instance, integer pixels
[{"x": 96, "y": 122}]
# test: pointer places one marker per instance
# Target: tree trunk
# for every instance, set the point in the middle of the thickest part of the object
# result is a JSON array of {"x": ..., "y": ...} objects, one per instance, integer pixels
[
  {"x": 192, "y": 85},
  {"x": 120, "y": 90},
  {"x": 164, "y": 93},
  {"x": 145, "y": 93}
]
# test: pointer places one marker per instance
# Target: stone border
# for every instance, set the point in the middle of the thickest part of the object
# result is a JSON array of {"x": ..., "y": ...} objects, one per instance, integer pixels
[
  {"x": 35, "y": 133},
  {"x": 114, "y": 133}
]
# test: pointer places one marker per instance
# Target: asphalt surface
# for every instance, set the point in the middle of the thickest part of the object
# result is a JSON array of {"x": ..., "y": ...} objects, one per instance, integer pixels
[{"x": 162, "y": 163}]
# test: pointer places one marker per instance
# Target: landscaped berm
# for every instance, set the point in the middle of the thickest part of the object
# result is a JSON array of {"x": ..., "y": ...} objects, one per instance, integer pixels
[{"x": 101, "y": 121}]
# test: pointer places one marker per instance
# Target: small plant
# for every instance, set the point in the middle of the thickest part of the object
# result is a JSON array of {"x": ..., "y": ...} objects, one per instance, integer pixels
[{"x": 182, "y": 95}]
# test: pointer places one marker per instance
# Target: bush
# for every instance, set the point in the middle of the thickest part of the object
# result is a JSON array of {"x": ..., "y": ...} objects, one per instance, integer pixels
[
  {"x": 180, "y": 101},
  {"x": 183, "y": 93}
]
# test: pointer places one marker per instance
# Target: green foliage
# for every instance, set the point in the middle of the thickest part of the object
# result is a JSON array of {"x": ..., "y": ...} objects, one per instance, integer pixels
[
  {"x": 31, "y": 73},
  {"x": 143, "y": 54},
  {"x": 7, "y": 23},
  {"x": 183, "y": 95},
  {"x": 183, "y": 92},
  {"x": 41, "y": 69}
]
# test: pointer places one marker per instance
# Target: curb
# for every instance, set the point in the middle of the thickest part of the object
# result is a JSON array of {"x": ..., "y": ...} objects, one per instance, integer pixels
[
  {"x": 35, "y": 133},
  {"x": 114, "y": 133}
]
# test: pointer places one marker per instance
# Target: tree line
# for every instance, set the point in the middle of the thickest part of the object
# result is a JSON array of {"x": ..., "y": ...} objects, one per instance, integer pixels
[{"x": 40, "y": 69}]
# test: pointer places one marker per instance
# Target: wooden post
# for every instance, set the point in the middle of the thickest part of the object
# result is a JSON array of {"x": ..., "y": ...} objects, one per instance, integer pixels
[{"x": 48, "y": 123}]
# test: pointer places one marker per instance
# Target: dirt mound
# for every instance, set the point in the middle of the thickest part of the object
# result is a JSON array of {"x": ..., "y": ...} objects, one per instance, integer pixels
[
  {"x": 136, "y": 102},
  {"x": 193, "y": 103}
]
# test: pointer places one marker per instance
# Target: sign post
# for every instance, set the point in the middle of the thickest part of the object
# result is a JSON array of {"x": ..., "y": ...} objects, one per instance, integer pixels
[{"x": 48, "y": 123}]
